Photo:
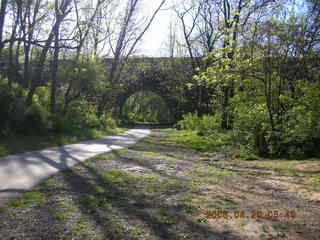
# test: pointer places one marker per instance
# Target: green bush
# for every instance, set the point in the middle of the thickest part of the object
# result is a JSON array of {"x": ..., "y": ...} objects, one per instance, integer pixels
[
  {"x": 75, "y": 119},
  {"x": 76, "y": 104},
  {"x": 204, "y": 125},
  {"x": 107, "y": 122},
  {"x": 79, "y": 116},
  {"x": 42, "y": 97},
  {"x": 11, "y": 107},
  {"x": 15, "y": 117},
  {"x": 209, "y": 124},
  {"x": 296, "y": 132},
  {"x": 36, "y": 120},
  {"x": 191, "y": 121},
  {"x": 251, "y": 123},
  {"x": 146, "y": 107},
  {"x": 296, "y": 135}
]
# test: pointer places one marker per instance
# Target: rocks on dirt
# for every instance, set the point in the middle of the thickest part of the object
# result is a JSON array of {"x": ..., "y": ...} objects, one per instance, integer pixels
[
  {"x": 137, "y": 169},
  {"x": 215, "y": 157}
]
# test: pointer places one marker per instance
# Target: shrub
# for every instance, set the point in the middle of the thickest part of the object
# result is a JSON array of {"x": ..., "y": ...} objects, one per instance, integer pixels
[
  {"x": 36, "y": 120},
  {"x": 191, "y": 121},
  {"x": 107, "y": 122},
  {"x": 209, "y": 124},
  {"x": 11, "y": 106},
  {"x": 74, "y": 119},
  {"x": 79, "y": 118},
  {"x": 42, "y": 96},
  {"x": 81, "y": 115},
  {"x": 204, "y": 125}
]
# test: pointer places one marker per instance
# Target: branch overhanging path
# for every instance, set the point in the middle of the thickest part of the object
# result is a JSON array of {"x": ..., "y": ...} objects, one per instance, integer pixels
[{"x": 20, "y": 172}]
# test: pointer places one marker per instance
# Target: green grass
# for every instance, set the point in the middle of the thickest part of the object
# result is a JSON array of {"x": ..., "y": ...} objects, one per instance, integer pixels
[
  {"x": 316, "y": 179},
  {"x": 151, "y": 154},
  {"x": 24, "y": 201},
  {"x": 165, "y": 219},
  {"x": 226, "y": 200},
  {"x": 282, "y": 166},
  {"x": 80, "y": 229},
  {"x": 243, "y": 224},
  {"x": 221, "y": 141},
  {"x": 289, "y": 170},
  {"x": 61, "y": 216},
  {"x": 19, "y": 143},
  {"x": 191, "y": 140},
  {"x": 117, "y": 176},
  {"x": 209, "y": 175},
  {"x": 100, "y": 196}
]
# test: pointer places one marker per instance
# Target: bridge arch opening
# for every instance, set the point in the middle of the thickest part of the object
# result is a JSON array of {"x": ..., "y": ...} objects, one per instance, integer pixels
[{"x": 146, "y": 107}]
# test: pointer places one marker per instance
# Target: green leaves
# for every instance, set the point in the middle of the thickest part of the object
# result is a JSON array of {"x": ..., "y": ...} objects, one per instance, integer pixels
[
  {"x": 146, "y": 107},
  {"x": 190, "y": 85},
  {"x": 273, "y": 102}
]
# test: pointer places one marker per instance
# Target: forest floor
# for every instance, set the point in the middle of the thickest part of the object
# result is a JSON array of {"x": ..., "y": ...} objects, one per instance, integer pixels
[{"x": 161, "y": 189}]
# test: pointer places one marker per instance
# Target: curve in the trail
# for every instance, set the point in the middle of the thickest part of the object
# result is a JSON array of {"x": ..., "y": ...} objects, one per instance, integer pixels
[{"x": 21, "y": 172}]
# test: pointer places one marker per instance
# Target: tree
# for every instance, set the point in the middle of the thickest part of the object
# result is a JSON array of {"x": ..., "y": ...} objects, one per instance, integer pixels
[
  {"x": 3, "y": 8},
  {"x": 270, "y": 83},
  {"x": 28, "y": 30},
  {"x": 127, "y": 40},
  {"x": 62, "y": 10},
  {"x": 190, "y": 12}
]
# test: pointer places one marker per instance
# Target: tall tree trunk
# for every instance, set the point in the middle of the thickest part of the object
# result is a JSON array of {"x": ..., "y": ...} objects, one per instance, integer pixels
[
  {"x": 115, "y": 70},
  {"x": 227, "y": 118},
  {"x": 3, "y": 8},
  {"x": 37, "y": 77},
  {"x": 27, "y": 44},
  {"x": 54, "y": 71},
  {"x": 13, "y": 61},
  {"x": 131, "y": 7}
]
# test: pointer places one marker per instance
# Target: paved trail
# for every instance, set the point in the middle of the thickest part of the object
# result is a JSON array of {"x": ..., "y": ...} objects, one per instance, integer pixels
[{"x": 20, "y": 172}]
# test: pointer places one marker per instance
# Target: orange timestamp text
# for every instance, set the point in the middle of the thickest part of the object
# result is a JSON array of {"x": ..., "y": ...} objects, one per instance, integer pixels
[{"x": 253, "y": 214}]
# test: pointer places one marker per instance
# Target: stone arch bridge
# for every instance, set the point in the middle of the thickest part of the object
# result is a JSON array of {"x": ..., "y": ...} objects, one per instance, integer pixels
[{"x": 166, "y": 77}]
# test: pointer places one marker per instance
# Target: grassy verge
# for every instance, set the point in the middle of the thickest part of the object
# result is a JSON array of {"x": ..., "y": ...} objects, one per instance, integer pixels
[
  {"x": 219, "y": 142},
  {"x": 18, "y": 143},
  {"x": 226, "y": 143}
]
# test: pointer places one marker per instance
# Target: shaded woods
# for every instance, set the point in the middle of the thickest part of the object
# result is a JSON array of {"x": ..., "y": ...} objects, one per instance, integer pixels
[{"x": 263, "y": 68}]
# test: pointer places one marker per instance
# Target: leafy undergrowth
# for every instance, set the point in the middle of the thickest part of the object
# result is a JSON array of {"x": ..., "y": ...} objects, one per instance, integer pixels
[
  {"x": 220, "y": 141},
  {"x": 13, "y": 144},
  {"x": 161, "y": 188}
]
